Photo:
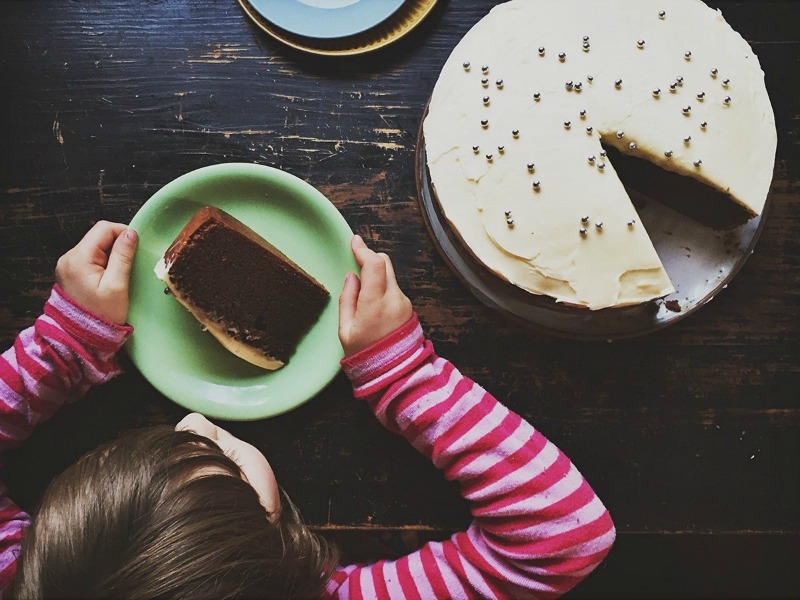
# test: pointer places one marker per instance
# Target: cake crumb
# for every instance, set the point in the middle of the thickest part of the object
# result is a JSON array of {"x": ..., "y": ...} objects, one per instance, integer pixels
[{"x": 673, "y": 305}]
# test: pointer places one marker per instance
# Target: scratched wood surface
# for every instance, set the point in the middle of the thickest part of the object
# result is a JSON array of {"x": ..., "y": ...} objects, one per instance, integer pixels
[{"x": 691, "y": 436}]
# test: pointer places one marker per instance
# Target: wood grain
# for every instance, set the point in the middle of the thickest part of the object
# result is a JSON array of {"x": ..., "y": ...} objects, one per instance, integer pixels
[{"x": 694, "y": 430}]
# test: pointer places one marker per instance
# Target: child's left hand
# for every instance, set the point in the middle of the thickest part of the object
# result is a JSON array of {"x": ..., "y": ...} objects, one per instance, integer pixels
[{"x": 96, "y": 272}]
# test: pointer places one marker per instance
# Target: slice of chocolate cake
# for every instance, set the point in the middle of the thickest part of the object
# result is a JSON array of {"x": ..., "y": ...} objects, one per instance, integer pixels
[{"x": 251, "y": 297}]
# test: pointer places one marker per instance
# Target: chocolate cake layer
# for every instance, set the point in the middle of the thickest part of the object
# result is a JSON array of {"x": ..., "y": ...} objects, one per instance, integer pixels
[
  {"x": 257, "y": 295},
  {"x": 683, "y": 194}
]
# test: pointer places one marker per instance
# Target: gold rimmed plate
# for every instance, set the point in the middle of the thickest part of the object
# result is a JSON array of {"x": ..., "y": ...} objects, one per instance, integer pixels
[
  {"x": 326, "y": 19},
  {"x": 400, "y": 23}
]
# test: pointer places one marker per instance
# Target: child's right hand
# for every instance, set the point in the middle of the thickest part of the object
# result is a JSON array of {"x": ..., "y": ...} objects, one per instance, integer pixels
[
  {"x": 373, "y": 307},
  {"x": 96, "y": 272}
]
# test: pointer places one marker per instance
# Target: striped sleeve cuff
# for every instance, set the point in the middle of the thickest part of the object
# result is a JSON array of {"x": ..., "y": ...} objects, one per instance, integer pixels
[
  {"x": 84, "y": 326},
  {"x": 386, "y": 360}
]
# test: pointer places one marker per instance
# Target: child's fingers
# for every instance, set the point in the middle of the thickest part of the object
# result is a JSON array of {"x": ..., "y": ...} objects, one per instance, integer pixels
[
  {"x": 391, "y": 279},
  {"x": 373, "y": 270},
  {"x": 373, "y": 278},
  {"x": 197, "y": 423},
  {"x": 360, "y": 250},
  {"x": 120, "y": 261},
  {"x": 348, "y": 301},
  {"x": 100, "y": 237}
]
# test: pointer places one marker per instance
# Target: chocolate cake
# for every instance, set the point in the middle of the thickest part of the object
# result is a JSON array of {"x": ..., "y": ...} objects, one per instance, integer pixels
[{"x": 247, "y": 293}]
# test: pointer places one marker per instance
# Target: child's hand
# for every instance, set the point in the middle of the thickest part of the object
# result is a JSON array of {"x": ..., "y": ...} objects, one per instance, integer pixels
[
  {"x": 373, "y": 307},
  {"x": 97, "y": 271}
]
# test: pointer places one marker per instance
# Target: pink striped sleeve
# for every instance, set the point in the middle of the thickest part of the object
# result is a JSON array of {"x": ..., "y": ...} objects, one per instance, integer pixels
[
  {"x": 65, "y": 352},
  {"x": 539, "y": 528},
  {"x": 58, "y": 359}
]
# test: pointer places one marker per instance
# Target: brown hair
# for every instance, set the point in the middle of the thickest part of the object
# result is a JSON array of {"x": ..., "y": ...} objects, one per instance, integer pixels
[{"x": 160, "y": 513}]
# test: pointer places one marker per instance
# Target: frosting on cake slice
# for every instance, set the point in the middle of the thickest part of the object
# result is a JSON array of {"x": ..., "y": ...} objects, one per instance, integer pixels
[
  {"x": 516, "y": 119},
  {"x": 253, "y": 299}
]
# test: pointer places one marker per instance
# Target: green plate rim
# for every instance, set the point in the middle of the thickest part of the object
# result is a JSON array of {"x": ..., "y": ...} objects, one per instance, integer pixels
[{"x": 297, "y": 385}]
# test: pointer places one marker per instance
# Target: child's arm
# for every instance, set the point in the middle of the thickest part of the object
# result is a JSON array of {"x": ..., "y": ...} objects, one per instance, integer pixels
[
  {"x": 68, "y": 349},
  {"x": 72, "y": 345},
  {"x": 538, "y": 528}
]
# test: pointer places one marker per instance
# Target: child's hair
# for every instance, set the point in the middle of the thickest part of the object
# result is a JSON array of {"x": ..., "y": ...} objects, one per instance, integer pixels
[{"x": 160, "y": 513}]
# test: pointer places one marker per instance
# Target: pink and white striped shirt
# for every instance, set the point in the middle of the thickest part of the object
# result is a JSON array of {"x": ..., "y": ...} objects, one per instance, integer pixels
[
  {"x": 57, "y": 360},
  {"x": 538, "y": 527}
]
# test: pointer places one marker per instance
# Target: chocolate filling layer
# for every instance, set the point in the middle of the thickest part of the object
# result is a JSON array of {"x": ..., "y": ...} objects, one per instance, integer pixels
[{"x": 683, "y": 194}]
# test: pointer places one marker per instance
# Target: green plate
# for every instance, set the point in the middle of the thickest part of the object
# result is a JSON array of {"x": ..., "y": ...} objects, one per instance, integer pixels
[{"x": 168, "y": 345}]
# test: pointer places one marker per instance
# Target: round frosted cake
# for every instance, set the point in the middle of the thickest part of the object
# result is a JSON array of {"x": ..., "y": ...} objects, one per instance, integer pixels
[{"x": 515, "y": 124}]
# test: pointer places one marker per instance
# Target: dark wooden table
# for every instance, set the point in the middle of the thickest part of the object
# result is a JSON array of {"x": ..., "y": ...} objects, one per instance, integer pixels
[{"x": 691, "y": 436}]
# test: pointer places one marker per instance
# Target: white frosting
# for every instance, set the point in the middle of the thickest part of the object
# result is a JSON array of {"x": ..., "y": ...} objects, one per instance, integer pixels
[
  {"x": 233, "y": 346},
  {"x": 544, "y": 251}
]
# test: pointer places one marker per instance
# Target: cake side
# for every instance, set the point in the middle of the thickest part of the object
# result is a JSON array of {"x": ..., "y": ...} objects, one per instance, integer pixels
[
  {"x": 519, "y": 116},
  {"x": 254, "y": 300}
]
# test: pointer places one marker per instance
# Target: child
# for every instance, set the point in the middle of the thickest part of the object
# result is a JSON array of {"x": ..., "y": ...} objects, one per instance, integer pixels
[{"x": 195, "y": 512}]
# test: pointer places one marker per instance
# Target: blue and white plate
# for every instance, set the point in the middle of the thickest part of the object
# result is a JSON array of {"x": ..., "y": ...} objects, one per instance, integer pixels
[{"x": 326, "y": 19}]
